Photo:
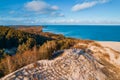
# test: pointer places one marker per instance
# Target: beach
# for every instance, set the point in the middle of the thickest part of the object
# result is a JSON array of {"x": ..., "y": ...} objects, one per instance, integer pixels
[{"x": 111, "y": 44}]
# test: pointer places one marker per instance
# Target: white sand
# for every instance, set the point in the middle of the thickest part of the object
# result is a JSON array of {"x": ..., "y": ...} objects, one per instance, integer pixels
[{"x": 113, "y": 45}]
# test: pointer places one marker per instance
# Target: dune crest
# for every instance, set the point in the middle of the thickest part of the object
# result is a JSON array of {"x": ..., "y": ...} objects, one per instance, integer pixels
[{"x": 94, "y": 63}]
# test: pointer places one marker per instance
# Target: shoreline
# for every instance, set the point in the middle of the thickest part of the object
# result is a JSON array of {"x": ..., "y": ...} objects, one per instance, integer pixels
[
  {"x": 115, "y": 45},
  {"x": 111, "y": 44}
]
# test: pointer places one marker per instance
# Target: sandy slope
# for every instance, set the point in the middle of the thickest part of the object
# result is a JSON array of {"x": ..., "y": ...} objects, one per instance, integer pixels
[
  {"x": 93, "y": 63},
  {"x": 75, "y": 64},
  {"x": 113, "y": 45}
]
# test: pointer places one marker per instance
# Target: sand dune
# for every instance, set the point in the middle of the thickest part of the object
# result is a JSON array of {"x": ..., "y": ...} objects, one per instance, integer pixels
[
  {"x": 93, "y": 63},
  {"x": 113, "y": 45}
]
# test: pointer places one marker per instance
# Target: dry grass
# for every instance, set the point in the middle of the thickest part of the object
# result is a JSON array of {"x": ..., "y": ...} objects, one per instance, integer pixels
[
  {"x": 107, "y": 56},
  {"x": 111, "y": 71}
]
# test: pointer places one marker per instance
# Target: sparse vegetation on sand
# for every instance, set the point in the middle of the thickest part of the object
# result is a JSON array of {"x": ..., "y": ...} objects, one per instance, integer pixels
[{"x": 30, "y": 46}]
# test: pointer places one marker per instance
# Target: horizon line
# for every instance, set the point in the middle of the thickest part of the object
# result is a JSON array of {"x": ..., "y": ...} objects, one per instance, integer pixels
[{"x": 56, "y": 24}]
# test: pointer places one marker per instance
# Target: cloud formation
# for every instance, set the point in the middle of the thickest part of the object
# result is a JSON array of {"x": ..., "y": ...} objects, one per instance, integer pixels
[
  {"x": 86, "y": 5},
  {"x": 40, "y": 6},
  {"x": 74, "y": 21}
]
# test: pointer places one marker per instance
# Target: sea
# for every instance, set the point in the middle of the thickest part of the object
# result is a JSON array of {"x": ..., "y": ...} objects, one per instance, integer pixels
[{"x": 88, "y": 32}]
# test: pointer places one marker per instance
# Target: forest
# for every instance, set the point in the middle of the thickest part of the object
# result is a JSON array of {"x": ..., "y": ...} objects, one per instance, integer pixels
[{"x": 20, "y": 47}]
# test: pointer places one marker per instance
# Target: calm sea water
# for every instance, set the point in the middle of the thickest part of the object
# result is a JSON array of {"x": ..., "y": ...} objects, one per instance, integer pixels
[{"x": 92, "y": 32}]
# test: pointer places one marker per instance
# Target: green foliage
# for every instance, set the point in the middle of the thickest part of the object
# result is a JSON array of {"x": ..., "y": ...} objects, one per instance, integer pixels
[
  {"x": 26, "y": 46},
  {"x": 10, "y": 38}
]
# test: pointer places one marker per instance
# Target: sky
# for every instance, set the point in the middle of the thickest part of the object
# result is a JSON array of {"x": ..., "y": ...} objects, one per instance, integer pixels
[{"x": 50, "y": 12}]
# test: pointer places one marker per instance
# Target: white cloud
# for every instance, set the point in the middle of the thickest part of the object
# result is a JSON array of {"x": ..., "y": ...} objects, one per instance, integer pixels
[
  {"x": 40, "y": 6},
  {"x": 82, "y": 6},
  {"x": 35, "y": 5},
  {"x": 55, "y": 7},
  {"x": 103, "y": 1},
  {"x": 23, "y": 20},
  {"x": 62, "y": 21},
  {"x": 75, "y": 21},
  {"x": 86, "y": 5}
]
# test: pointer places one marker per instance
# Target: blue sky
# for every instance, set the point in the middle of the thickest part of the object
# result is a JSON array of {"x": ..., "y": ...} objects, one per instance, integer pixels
[{"x": 40, "y": 12}]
